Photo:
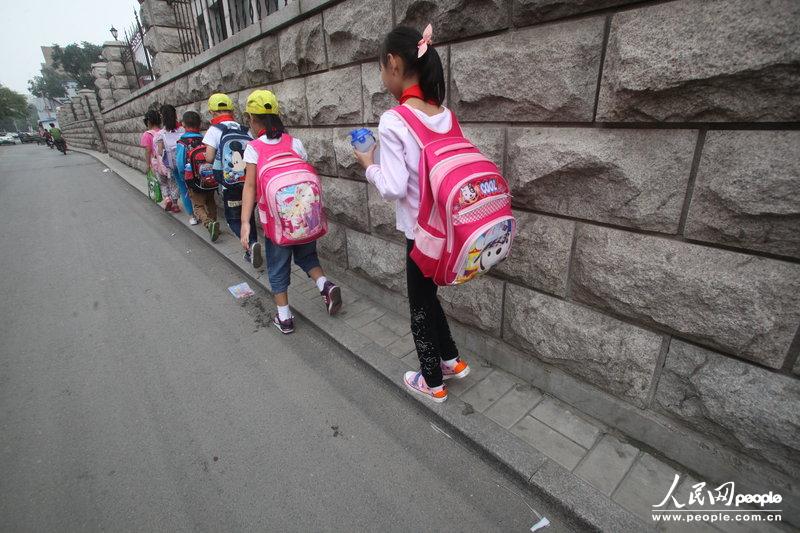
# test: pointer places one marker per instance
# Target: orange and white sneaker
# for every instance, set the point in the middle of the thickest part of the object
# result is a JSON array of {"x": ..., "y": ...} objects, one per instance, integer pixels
[
  {"x": 416, "y": 383},
  {"x": 457, "y": 371}
]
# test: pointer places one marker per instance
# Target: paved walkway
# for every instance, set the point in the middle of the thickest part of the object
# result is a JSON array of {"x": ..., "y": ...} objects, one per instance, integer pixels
[{"x": 622, "y": 480}]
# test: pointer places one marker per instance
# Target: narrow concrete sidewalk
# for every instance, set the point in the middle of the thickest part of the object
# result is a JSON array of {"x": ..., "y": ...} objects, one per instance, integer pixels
[{"x": 588, "y": 468}]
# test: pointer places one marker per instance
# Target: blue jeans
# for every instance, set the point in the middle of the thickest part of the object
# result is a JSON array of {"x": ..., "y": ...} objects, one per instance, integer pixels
[
  {"x": 233, "y": 213},
  {"x": 279, "y": 262}
]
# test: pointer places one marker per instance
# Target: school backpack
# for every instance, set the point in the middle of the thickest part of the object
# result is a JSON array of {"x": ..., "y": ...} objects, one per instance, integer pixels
[
  {"x": 168, "y": 158},
  {"x": 465, "y": 224},
  {"x": 190, "y": 155},
  {"x": 289, "y": 194},
  {"x": 156, "y": 162},
  {"x": 229, "y": 165}
]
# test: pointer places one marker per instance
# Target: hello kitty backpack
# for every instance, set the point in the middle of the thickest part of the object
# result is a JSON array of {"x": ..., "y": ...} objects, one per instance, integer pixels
[
  {"x": 289, "y": 194},
  {"x": 465, "y": 224}
]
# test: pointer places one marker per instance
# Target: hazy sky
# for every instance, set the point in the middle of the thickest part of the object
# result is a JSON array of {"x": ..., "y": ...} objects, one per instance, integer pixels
[{"x": 25, "y": 25}]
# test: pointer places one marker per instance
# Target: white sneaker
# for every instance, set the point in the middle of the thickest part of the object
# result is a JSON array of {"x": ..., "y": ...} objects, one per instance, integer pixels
[{"x": 193, "y": 221}]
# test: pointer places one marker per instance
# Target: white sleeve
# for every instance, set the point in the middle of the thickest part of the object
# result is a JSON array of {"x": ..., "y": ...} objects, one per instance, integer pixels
[
  {"x": 297, "y": 146},
  {"x": 212, "y": 137},
  {"x": 250, "y": 154},
  {"x": 391, "y": 176}
]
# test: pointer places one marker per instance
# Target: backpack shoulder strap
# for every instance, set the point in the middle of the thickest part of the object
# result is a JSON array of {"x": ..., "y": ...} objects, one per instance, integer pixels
[
  {"x": 286, "y": 142},
  {"x": 274, "y": 155},
  {"x": 422, "y": 133},
  {"x": 244, "y": 130}
]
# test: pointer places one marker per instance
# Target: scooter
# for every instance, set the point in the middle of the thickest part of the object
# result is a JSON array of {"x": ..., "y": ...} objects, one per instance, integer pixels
[{"x": 61, "y": 144}]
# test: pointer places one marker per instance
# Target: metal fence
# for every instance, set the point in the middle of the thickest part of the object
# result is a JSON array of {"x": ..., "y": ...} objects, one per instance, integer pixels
[
  {"x": 205, "y": 23},
  {"x": 136, "y": 55}
]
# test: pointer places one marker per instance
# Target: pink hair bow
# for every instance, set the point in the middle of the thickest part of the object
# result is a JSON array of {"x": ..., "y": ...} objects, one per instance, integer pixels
[{"x": 427, "y": 40}]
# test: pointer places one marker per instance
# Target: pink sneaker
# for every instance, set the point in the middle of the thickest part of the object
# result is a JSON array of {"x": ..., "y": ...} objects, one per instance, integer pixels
[
  {"x": 460, "y": 370},
  {"x": 416, "y": 383}
]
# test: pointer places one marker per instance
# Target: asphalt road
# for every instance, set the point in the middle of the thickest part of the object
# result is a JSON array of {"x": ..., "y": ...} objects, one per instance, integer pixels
[{"x": 137, "y": 395}]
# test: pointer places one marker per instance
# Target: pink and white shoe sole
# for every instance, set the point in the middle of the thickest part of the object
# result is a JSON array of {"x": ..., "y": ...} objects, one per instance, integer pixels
[
  {"x": 464, "y": 373},
  {"x": 410, "y": 376}
]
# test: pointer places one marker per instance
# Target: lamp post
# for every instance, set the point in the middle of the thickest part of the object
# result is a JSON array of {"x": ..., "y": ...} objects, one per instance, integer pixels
[{"x": 114, "y": 32}]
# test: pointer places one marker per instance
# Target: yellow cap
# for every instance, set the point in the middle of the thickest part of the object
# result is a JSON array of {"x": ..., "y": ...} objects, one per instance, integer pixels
[
  {"x": 262, "y": 102},
  {"x": 220, "y": 102}
]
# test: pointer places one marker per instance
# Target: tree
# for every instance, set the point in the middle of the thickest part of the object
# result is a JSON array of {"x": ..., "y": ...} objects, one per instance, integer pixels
[
  {"x": 13, "y": 108},
  {"x": 50, "y": 84},
  {"x": 76, "y": 60}
]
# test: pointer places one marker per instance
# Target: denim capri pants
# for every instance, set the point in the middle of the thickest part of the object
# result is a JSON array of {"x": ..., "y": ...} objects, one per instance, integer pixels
[{"x": 279, "y": 262}]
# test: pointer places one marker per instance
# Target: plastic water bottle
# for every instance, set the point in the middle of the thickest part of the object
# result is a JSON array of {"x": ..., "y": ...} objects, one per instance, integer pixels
[
  {"x": 187, "y": 172},
  {"x": 362, "y": 140}
]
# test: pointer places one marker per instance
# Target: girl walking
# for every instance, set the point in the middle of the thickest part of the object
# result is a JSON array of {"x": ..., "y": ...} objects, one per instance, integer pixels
[
  {"x": 300, "y": 208},
  {"x": 152, "y": 121},
  {"x": 412, "y": 72},
  {"x": 166, "y": 141}
]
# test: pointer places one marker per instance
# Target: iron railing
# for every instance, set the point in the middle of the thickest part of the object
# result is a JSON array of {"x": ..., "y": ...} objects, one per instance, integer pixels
[
  {"x": 136, "y": 55},
  {"x": 205, "y": 23}
]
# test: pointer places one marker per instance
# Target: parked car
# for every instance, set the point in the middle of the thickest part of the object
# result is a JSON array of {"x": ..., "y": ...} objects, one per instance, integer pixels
[
  {"x": 7, "y": 138},
  {"x": 26, "y": 137}
]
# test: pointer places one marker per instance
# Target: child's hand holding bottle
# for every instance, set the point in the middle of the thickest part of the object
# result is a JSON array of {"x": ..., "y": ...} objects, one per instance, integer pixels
[{"x": 364, "y": 146}]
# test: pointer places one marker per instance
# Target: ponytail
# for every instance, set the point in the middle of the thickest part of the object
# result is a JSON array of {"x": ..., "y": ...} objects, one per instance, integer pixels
[
  {"x": 169, "y": 117},
  {"x": 402, "y": 42},
  {"x": 271, "y": 124}
]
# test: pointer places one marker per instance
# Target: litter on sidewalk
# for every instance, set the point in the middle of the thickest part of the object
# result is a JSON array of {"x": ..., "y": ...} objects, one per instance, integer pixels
[
  {"x": 241, "y": 290},
  {"x": 544, "y": 522}
]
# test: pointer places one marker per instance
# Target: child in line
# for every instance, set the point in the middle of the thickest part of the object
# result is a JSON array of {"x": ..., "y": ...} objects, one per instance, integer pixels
[
  {"x": 166, "y": 142},
  {"x": 412, "y": 72},
  {"x": 152, "y": 121},
  {"x": 221, "y": 108},
  {"x": 166, "y": 139},
  {"x": 203, "y": 203},
  {"x": 263, "y": 111}
]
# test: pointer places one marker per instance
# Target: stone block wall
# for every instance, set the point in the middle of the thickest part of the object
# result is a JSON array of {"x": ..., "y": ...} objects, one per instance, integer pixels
[
  {"x": 82, "y": 122},
  {"x": 162, "y": 38},
  {"x": 652, "y": 149}
]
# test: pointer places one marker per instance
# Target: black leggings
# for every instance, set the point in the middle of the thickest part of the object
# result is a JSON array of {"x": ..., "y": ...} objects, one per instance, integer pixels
[{"x": 432, "y": 336}]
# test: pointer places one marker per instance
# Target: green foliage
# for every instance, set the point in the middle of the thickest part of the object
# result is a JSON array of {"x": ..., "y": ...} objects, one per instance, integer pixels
[
  {"x": 12, "y": 104},
  {"x": 15, "y": 112},
  {"x": 50, "y": 84},
  {"x": 76, "y": 60}
]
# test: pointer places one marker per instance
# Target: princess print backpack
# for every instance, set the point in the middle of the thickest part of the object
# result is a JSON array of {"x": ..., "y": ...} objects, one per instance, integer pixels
[
  {"x": 156, "y": 162},
  {"x": 229, "y": 165},
  {"x": 289, "y": 194},
  {"x": 465, "y": 224}
]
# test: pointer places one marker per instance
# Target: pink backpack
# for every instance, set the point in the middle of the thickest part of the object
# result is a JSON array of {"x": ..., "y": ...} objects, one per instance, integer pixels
[
  {"x": 465, "y": 225},
  {"x": 289, "y": 195},
  {"x": 156, "y": 161}
]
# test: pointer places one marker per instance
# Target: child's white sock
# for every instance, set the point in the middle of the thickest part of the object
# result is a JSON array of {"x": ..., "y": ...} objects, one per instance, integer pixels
[
  {"x": 321, "y": 282},
  {"x": 450, "y": 363},
  {"x": 284, "y": 313}
]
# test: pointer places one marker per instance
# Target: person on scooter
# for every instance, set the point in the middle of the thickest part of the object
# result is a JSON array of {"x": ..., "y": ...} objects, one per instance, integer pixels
[{"x": 58, "y": 139}]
